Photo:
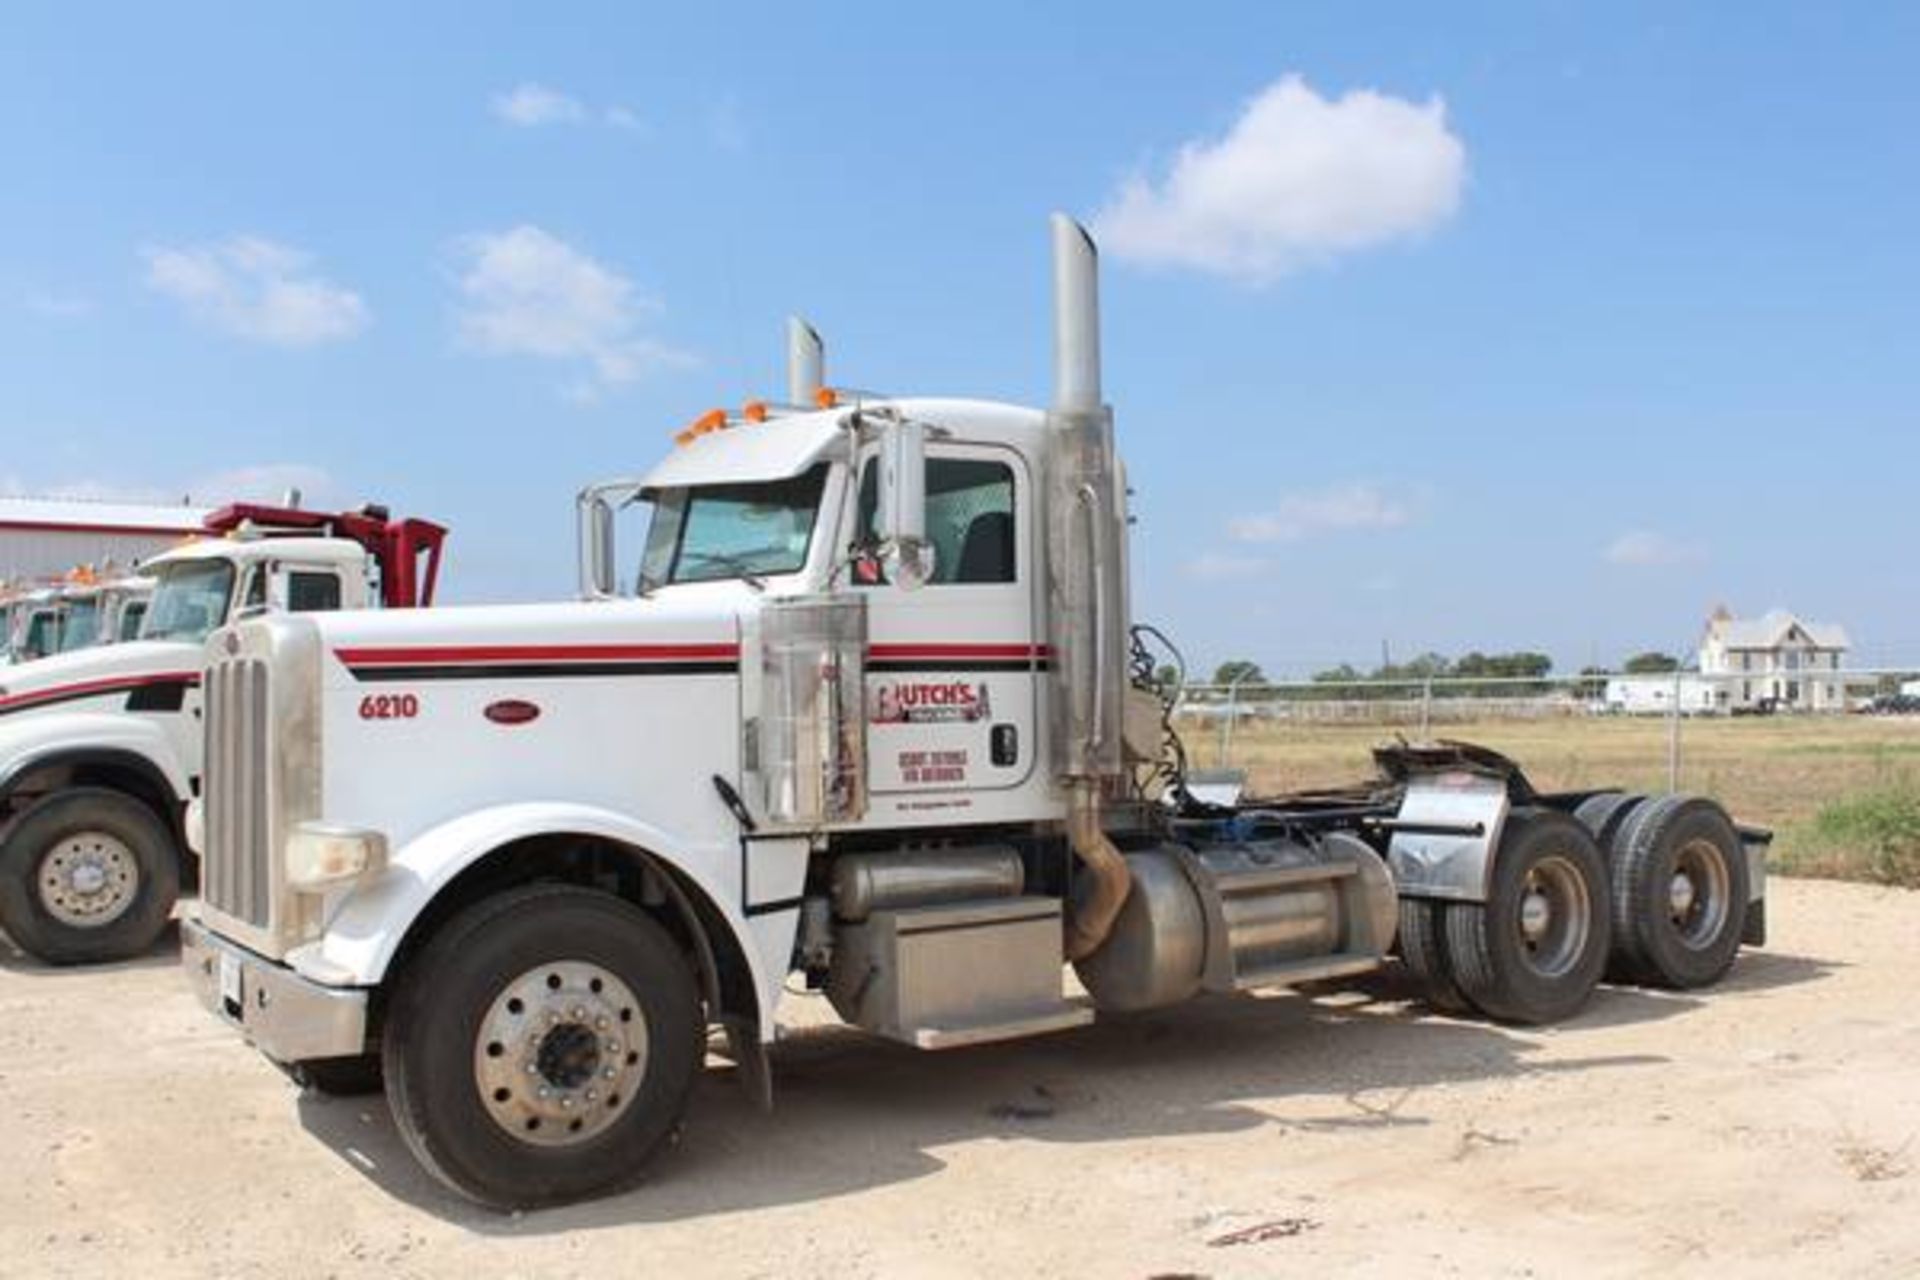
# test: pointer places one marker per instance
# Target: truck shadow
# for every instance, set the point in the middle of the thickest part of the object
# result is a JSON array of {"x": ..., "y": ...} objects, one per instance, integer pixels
[
  {"x": 164, "y": 954},
  {"x": 853, "y": 1112}
]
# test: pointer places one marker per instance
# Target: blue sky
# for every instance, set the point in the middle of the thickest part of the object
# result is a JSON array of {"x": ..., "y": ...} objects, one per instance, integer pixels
[{"x": 1572, "y": 322}]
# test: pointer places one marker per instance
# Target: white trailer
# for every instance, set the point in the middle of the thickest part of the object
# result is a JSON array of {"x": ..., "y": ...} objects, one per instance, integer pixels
[
  {"x": 100, "y": 747},
  {"x": 1659, "y": 695},
  {"x": 875, "y": 722}
]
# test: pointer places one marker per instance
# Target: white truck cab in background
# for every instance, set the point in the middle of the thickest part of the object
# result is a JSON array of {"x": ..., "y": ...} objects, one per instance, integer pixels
[{"x": 100, "y": 747}]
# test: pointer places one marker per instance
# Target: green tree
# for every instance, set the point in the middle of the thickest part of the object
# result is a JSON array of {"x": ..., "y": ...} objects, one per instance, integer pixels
[
  {"x": 1651, "y": 664},
  {"x": 1239, "y": 671}
]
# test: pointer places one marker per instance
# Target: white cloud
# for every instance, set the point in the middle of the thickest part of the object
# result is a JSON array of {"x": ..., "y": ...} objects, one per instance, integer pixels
[
  {"x": 59, "y": 306},
  {"x": 260, "y": 482},
  {"x": 1297, "y": 179},
  {"x": 1303, "y": 515},
  {"x": 1641, "y": 548},
  {"x": 259, "y": 290},
  {"x": 621, "y": 118},
  {"x": 1214, "y": 567},
  {"x": 529, "y": 104},
  {"x": 527, "y": 292}
]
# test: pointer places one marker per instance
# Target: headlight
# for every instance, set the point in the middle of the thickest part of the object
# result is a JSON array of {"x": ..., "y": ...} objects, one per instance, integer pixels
[
  {"x": 320, "y": 856},
  {"x": 196, "y": 826}
]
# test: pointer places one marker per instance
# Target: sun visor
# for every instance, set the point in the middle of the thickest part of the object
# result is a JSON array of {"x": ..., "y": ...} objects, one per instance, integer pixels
[{"x": 752, "y": 452}]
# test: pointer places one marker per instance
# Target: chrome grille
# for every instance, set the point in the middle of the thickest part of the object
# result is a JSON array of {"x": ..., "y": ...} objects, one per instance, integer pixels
[{"x": 236, "y": 878}]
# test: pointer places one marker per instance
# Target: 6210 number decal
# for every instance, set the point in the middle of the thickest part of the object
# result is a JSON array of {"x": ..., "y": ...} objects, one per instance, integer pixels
[{"x": 389, "y": 706}]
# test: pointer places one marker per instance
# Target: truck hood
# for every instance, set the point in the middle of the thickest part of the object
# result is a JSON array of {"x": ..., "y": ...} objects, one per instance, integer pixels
[
  {"x": 676, "y": 626},
  {"x": 96, "y": 679}
]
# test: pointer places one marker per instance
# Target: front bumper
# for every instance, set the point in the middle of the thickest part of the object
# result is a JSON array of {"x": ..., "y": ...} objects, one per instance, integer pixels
[{"x": 284, "y": 1015}]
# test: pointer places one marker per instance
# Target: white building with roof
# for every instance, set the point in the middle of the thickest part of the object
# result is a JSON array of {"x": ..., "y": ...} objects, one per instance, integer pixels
[
  {"x": 43, "y": 538},
  {"x": 1776, "y": 660}
]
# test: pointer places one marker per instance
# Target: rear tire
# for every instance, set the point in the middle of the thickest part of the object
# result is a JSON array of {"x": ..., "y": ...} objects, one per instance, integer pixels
[
  {"x": 87, "y": 875},
  {"x": 1603, "y": 816},
  {"x": 1679, "y": 893},
  {"x": 542, "y": 1047},
  {"x": 1534, "y": 950},
  {"x": 1423, "y": 949}
]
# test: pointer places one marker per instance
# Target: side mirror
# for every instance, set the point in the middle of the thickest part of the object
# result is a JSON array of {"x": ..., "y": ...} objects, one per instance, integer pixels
[
  {"x": 907, "y": 555},
  {"x": 597, "y": 574}
]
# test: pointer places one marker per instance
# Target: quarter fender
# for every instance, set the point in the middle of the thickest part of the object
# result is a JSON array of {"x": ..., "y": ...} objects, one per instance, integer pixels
[
  {"x": 91, "y": 736},
  {"x": 365, "y": 930}
]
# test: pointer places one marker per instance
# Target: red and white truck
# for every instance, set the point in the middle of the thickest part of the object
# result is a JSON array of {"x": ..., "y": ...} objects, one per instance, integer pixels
[
  {"x": 875, "y": 721},
  {"x": 100, "y": 747}
]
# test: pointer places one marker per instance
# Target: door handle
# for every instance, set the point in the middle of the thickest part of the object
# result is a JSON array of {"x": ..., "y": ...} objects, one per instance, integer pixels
[{"x": 1004, "y": 745}]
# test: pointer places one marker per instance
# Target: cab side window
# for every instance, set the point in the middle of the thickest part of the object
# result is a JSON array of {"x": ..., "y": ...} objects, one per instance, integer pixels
[
  {"x": 970, "y": 519},
  {"x": 312, "y": 592}
]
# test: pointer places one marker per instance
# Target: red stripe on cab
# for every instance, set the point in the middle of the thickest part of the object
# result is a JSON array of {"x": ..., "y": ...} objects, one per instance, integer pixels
[
  {"x": 482, "y": 653},
  {"x": 113, "y": 684}
]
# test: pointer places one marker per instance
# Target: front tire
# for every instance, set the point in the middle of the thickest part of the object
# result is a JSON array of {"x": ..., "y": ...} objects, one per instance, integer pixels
[
  {"x": 1533, "y": 952},
  {"x": 542, "y": 1047},
  {"x": 88, "y": 875}
]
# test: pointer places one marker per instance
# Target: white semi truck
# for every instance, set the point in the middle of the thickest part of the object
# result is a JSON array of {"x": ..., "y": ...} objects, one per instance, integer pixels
[
  {"x": 100, "y": 748},
  {"x": 873, "y": 721}
]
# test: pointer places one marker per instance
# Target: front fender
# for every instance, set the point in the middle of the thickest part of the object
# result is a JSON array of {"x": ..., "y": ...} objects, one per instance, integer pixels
[
  {"x": 366, "y": 928},
  {"x": 80, "y": 736}
]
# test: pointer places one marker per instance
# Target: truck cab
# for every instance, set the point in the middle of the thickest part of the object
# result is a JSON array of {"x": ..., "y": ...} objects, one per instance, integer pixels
[
  {"x": 872, "y": 718},
  {"x": 101, "y": 746}
]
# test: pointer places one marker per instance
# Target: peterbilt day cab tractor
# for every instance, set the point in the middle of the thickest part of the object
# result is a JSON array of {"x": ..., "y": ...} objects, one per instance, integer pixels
[
  {"x": 100, "y": 748},
  {"x": 874, "y": 720}
]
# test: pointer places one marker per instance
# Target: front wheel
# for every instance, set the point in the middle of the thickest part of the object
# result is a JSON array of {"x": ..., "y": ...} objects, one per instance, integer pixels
[
  {"x": 1534, "y": 950},
  {"x": 542, "y": 1047},
  {"x": 87, "y": 875}
]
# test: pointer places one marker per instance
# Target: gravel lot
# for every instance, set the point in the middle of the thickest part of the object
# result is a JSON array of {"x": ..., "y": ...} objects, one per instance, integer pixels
[{"x": 1772, "y": 1125}]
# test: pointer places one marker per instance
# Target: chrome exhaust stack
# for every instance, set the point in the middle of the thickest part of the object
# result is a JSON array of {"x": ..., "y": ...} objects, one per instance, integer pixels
[
  {"x": 1086, "y": 585},
  {"x": 806, "y": 363}
]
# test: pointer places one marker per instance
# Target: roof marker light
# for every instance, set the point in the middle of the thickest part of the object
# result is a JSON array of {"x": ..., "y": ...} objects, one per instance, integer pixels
[
  {"x": 755, "y": 411},
  {"x": 826, "y": 397}
]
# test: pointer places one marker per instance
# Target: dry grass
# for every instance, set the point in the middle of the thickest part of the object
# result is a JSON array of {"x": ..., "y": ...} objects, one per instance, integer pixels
[{"x": 1787, "y": 773}]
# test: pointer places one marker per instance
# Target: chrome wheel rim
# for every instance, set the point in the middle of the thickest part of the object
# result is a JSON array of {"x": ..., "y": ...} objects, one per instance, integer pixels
[
  {"x": 560, "y": 1053},
  {"x": 1698, "y": 893},
  {"x": 88, "y": 879},
  {"x": 1554, "y": 918}
]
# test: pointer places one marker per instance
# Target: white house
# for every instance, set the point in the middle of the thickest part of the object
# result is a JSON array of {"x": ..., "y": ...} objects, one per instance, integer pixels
[{"x": 1775, "y": 660}]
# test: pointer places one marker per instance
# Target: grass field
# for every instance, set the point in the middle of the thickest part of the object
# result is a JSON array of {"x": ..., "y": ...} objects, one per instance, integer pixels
[{"x": 1842, "y": 793}]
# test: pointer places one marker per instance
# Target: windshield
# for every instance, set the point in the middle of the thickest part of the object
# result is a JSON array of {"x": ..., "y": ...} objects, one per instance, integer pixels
[
  {"x": 82, "y": 624},
  {"x": 721, "y": 531},
  {"x": 190, "y": 601}
]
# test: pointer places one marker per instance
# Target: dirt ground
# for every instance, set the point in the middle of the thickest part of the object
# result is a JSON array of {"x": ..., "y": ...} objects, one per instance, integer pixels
[{"x": 1771, "y": 1126}]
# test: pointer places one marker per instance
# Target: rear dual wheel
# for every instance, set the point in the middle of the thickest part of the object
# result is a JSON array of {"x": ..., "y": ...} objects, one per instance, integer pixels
[
  {"x": 1679, "y": 893},
  {"x": 1535, "y": 949}
]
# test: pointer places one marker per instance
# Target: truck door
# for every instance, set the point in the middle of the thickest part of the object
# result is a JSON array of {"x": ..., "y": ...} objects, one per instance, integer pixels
[{"x": 954, "y": 668}]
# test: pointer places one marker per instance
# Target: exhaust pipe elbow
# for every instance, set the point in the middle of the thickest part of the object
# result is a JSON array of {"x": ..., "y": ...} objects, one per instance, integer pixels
[{"x": 1110, "y": 880}]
